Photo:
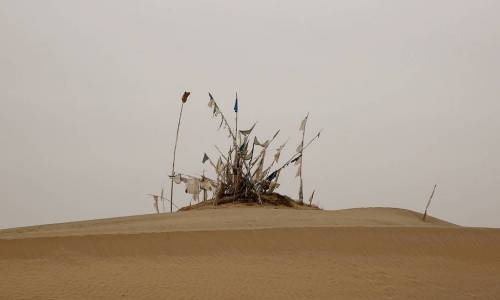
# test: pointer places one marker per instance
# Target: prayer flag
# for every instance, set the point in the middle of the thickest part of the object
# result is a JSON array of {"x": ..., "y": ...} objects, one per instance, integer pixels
[
  {"x": 273, "y": 175},
  {"x": 248, "y": 131},
  {"x": 185, "y": 96},
  {"x": 236, "y": 103},
  {"x": 303, "y": 123},
  {"x": 220, "y": 167}
]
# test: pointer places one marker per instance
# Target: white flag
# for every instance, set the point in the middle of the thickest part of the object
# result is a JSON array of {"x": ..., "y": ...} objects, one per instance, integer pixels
[
  {"x": 220, "y": 167},
  {"x": 277, "y": 156},
  {"x": 298, "y": 172},
  {"x": 247, "y": 132},
  {"x": 264, "y": 145},
  {"x": 303, "y": 123}
]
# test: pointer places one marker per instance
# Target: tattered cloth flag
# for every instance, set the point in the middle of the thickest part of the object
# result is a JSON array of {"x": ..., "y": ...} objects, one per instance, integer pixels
[
  {"x": 178, "y": 178},
  {"x": 216, "y": 114},
  {"x": 278, "y": 151},
  {"x": 244, "y": 146},
  {"x": 277, "y": 156},
  {"x": 207, "y": 185},
  {"x": 185, "y": 96},
  {"x": 220, "y": 167},
  {"x": 299, "y": 171},
  {"x": 205, "y": 158},
  {"x": 260, "y": 168},
  {"x": 247, "y": 132},
  {"x": 311, "y": 198},
  {"x": 273, "y": 175},
  {"x": 155, "y": 204},
  {"x": 212, "y": 104},
  {"x": 303, "y": 123},
  {"x": 249, "y": 155},
  {"x": 193, "y": 188},
  {"x": 264, "y": 145},
  {"x": 236, "y": 103}
]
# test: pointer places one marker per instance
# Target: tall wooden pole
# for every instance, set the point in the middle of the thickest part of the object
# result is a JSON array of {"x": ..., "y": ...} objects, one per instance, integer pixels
[
  {"x": 429, "y": 202},
  {"x": 184, "y": 99},
  {"x": 162, "y": 197},
  {"x": 301, "y": 189},
  {"x": 237, "y": 148},
  {"x": 203, "y": 178}
]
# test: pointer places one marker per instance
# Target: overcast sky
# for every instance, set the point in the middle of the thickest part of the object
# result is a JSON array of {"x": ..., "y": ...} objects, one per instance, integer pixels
[{"x": 407, "y": 93}]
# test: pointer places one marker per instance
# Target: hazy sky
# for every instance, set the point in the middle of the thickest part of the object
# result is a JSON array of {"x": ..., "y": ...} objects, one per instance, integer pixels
[{"x": 407, "y": 93}]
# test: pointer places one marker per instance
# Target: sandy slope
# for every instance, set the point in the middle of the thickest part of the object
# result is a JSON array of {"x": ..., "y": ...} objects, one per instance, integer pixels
[
  {"x": 230, "y": 218},
  {"x": 252, "y": 253}
]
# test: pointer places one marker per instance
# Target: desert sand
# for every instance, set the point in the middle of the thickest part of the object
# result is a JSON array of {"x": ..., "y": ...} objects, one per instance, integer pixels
[{"x": 252, "y": 253}]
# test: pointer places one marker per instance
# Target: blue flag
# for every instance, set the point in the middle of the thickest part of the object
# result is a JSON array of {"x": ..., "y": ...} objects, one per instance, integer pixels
[{"x": 236, "y": 103}]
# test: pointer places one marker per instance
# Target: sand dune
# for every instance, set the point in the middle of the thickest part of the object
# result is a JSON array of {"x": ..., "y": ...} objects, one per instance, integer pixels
[
  {"x": 231, "y": 218},
  {"x": 252, "y": 253}
]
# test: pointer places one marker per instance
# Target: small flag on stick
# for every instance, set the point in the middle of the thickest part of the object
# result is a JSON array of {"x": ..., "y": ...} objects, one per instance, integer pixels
[
  {"x": 303, "y": 123},
  {"x": 185, "y": 96},
  {"x": 205, "y": 158},
  {"x": 236, "y": 103}
]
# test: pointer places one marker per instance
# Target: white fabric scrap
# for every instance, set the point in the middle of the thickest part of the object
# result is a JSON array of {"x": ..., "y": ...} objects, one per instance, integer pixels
[
  {"x": 220, "y": 167},
  {"x": 206, "y": 185},
  {"x": 277, "y": 156},
  {"x": 178, "y": 179},
  {"x": 303, "y": 124},
  {"x": 193, "y": 186},
  {"x": 264, "y": 145},
  {"x": 247, "y": 132},
  {"x": 248, "y": 156},
  {"x": 299, "y": 172}
]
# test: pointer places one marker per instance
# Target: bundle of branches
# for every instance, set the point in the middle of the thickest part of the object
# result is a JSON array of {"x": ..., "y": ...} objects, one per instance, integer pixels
[{"x": 242, "y": 175}]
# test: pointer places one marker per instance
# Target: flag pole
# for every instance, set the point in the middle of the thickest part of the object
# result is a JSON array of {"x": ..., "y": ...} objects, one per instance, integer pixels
[
  {"x": 301, "y": 189},
  {"x": 297, "y": 154},
  {"x": 429, "y": 202},
  {"x": 222, "y": 116},
  {"x": 184, "y": 99},
  {"x": 236, "y": 144},
  {"x": 162, "y": 199}
]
